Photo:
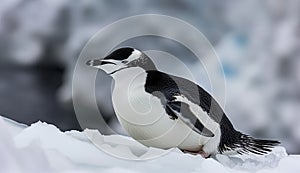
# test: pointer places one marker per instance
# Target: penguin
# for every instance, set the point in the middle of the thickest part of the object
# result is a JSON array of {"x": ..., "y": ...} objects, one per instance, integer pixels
[{"x": 166, "y": 111}]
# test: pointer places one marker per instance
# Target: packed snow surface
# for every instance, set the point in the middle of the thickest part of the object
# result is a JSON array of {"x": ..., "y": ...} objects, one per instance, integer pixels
[{"x": 42, "y": 147}]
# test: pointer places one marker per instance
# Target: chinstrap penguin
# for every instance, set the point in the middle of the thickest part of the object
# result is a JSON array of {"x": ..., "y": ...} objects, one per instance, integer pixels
[{"x": 165, "y": 111}]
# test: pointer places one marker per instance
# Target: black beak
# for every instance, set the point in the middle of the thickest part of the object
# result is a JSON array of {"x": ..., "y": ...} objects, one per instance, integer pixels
[{"x": 97, "y": 62}]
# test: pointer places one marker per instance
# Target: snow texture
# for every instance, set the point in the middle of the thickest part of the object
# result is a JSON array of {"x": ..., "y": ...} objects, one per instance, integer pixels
[{"x": 44, "y": 148}]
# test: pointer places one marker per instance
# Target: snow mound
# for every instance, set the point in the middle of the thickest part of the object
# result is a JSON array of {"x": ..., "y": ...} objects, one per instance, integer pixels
[
  {"x": 253, "y": 162},
  {"x": 44, "y": 148}
]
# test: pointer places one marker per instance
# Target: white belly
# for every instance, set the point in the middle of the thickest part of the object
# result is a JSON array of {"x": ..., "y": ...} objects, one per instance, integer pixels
[{"x": 142, "y": 115}]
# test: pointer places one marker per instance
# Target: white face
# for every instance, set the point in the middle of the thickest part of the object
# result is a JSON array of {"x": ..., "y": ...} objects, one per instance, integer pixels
[
  {"x": 111, "y": 66},
  {"x": 134, "y": 55}
]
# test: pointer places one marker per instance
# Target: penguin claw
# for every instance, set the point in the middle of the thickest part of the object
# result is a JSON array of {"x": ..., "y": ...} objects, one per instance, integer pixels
[
  {"x": 204, "y": 155},
  {"x": 201, "y": 152}
]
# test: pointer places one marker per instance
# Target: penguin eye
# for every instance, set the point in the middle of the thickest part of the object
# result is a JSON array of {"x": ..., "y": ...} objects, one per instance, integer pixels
[{"x": 124, "y": 61}]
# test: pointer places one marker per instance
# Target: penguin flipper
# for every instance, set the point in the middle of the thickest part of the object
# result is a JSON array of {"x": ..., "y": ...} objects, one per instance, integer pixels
[{"x": 181, "y": 110}]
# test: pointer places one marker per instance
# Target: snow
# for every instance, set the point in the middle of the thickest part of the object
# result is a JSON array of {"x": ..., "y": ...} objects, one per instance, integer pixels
[{"x": 42, "y": 147}]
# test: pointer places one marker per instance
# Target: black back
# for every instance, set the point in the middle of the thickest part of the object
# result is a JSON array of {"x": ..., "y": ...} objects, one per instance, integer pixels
[
  {"x": 167, "y": 86},
  {"x": 171, "y": 85}
]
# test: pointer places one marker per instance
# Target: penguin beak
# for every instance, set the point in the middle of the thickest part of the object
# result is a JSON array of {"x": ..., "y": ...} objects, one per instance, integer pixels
[
  {"x": 97, "y": 62},
  {"x": 110, "y": 66}
]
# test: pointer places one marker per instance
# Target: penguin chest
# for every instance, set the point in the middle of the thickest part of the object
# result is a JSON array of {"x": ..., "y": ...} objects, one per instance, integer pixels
[
  {"x": 139, "y": 112},
  {"x": 144, "y": 118}
]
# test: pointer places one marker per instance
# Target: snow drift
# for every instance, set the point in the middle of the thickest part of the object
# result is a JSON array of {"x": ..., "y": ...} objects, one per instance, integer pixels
[{"x": 44, "y": 148}]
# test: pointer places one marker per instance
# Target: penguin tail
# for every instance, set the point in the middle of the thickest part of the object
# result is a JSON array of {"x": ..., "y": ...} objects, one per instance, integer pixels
[{"x": 248, "y": 144}]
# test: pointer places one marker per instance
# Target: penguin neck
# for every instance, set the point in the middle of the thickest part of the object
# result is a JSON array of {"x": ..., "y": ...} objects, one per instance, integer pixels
[{"x": 128, "y": 76}]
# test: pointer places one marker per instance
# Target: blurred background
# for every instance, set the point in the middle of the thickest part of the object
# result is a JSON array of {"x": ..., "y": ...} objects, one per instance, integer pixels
[{"x": 256, "y": 41}]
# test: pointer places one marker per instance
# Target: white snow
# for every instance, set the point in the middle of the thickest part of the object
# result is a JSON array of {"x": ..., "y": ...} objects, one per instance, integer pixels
[{"x": 42, "y": 147}]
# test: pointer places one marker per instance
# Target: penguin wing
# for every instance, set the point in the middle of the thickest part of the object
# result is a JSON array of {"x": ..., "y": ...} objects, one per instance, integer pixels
[
  {"x": 181, "y": 110},
  {"x": 170, "y": 86}
]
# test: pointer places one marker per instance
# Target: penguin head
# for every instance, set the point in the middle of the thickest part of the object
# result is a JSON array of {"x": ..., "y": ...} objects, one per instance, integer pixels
[{"x": 121, "y": 59}]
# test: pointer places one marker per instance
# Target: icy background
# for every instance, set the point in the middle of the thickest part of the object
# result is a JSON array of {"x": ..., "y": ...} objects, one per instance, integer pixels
[
  {"x": 257, "y": 43},
  {"x": 28, "y": 149}
]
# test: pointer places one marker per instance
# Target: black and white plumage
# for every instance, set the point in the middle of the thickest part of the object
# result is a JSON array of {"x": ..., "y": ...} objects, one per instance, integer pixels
[{"x": 164, "y": 111}]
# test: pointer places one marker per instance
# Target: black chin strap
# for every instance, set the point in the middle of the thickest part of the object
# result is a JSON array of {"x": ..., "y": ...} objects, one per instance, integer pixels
[{"x": 117, "y": 70}]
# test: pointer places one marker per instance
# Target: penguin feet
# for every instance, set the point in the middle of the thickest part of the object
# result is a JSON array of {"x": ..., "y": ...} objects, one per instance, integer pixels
[
  {"x": 201, "y": 152},
  {"x": 204, "y": 155}
]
